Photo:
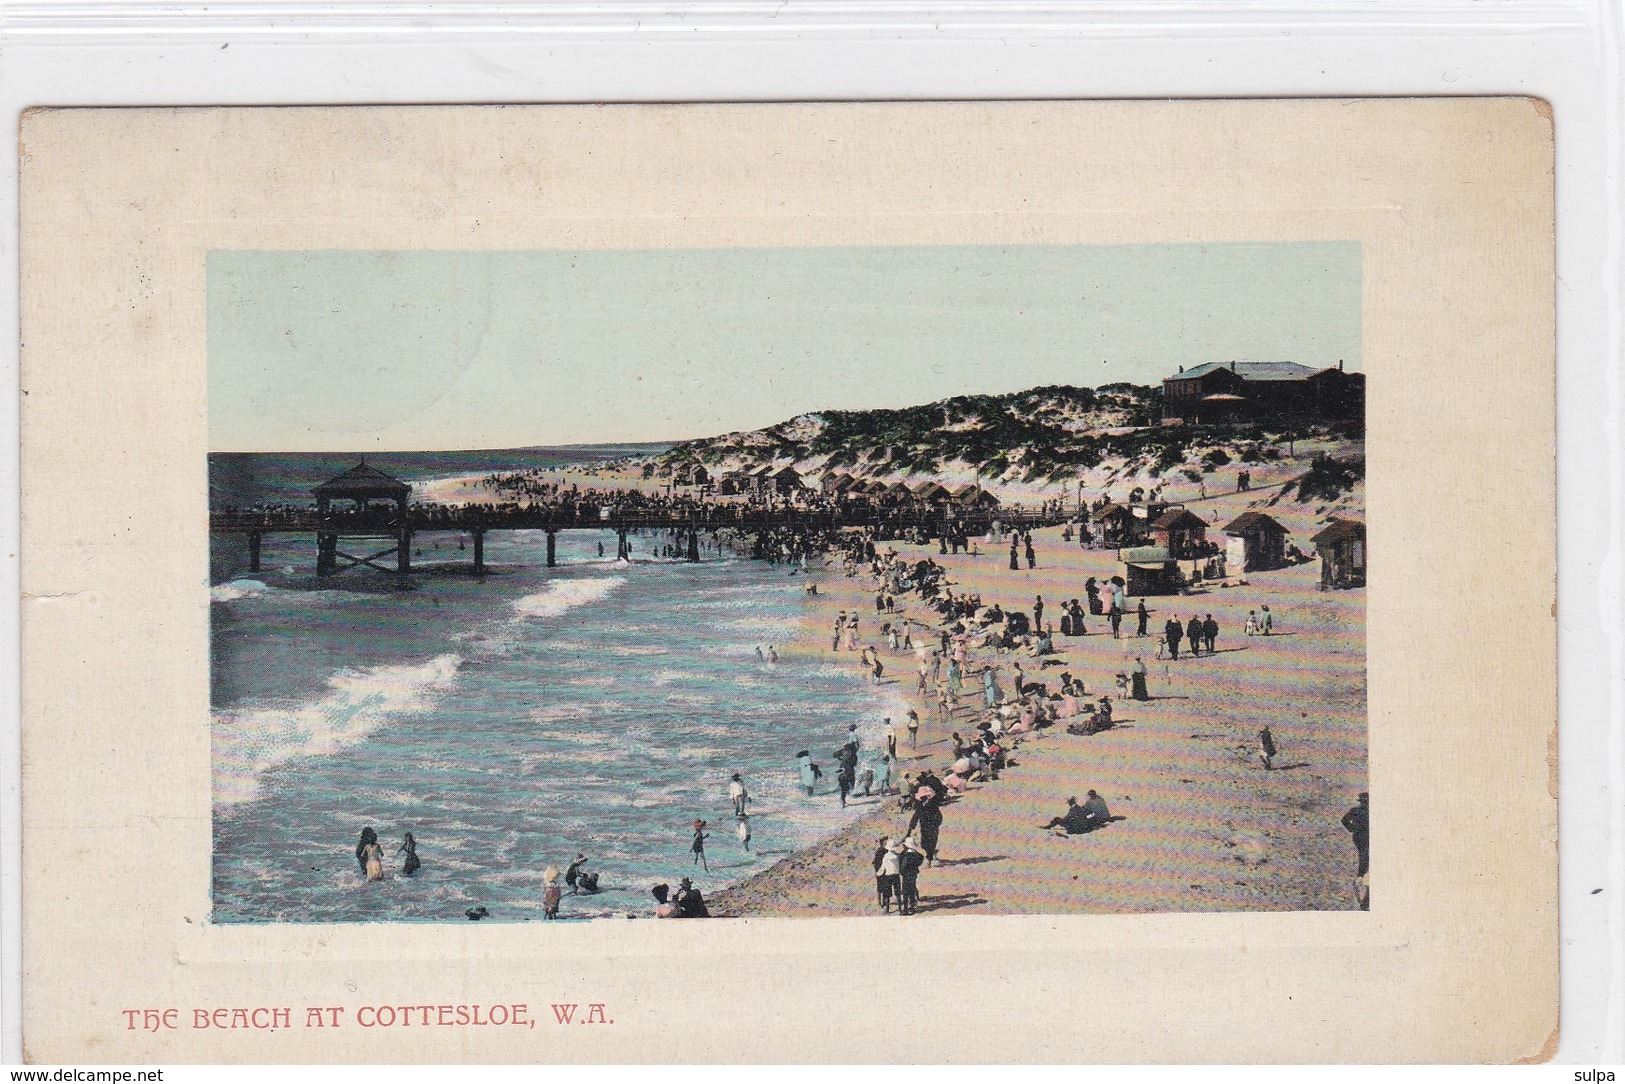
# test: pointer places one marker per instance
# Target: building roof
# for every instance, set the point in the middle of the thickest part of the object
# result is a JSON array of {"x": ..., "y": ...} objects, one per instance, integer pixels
[
  {"x": 1340, "y": 530},
  {"x": 1179, "y": 517},
  {"x": 1253, "y": 521},
  {"x": 363, "y": 481},
  {"x": 1251, "y": 370}
]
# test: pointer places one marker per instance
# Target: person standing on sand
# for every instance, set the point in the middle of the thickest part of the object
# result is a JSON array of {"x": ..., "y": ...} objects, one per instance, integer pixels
[
  {"x": 913, "y": 729},
  {"x": 1210, "y": 634},
  {"x": 840, "y": 626},
  {"x": 1193, "y": 633},
  {"x": 928, "y": 814},
  {"x": 1144, "y": 616},
  {"x": 551, "y": 893},
  {"x": 1038, "y": 611},
  {"x": 1266, "y": 623},
  {"x": 1251, "y": 627},
  {"x": 852, "y": 633},
  {"x": 737, "y": 794},
  {"x": 1015, "y": 562},
  {"x": 1138, "y": 677},
  {"x": 1172, "y": 633},
  {"x": 1266, "y": 749},
  {"x": 909, "y": 863},
  {"x": 698, "y": 846},
  {"x": 1117, "y": 621},
  {"x": 1358, "y": 822},
  {"x": 810, "y": 772},
  {"x": 891, "y": 739},
  {"x": 742, "y": 830},
  {"x": 1032, "y": 558}
]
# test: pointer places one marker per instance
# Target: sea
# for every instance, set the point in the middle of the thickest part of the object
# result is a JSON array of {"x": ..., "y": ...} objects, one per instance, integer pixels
[{"x": 508, "y": 723}]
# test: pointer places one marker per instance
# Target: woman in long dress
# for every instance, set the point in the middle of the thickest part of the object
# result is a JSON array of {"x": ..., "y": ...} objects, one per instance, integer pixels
[{"x": 375, "y": 861}]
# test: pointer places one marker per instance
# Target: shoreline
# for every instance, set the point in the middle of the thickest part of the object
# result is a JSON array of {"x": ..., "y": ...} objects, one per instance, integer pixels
[{"x": 1205, "y": 827}]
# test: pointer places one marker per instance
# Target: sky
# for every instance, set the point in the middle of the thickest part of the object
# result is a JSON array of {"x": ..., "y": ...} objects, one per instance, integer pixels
[{"x": 433, "y": 350}]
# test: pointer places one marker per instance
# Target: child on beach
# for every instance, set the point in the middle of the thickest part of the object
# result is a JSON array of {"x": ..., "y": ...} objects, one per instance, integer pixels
[
  {"x": 551, "y": 893},
  {"x": 742, "y": 830},
  {"x": 698, "y": 846}
]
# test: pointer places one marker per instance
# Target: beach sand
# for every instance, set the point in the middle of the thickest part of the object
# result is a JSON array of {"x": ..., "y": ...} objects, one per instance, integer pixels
[{"x": 1205, "y": 827}]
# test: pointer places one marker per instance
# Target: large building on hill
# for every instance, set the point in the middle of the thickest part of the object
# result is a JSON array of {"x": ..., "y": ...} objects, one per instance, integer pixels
[{"x": 1260, "y": 390}]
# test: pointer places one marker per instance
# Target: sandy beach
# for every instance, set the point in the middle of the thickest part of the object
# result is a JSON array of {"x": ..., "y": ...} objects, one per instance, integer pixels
[{"x": 1204, "y": 828}]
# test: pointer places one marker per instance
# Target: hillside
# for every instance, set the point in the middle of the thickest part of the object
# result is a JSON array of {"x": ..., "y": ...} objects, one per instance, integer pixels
[{"x": 1024, "y": 445}]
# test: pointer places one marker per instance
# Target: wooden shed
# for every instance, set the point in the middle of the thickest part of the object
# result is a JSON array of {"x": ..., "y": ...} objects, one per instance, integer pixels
[
  {"x": 1182, "y": 533},
  {"x": 1255, "y": 542},
  {"x": 1341, "y": 546}
]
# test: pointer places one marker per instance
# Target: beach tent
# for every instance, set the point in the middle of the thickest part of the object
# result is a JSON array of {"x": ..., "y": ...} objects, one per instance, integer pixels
[
  {"x": 1342, "y": 553},
  {"x": 1255, "y": 542},
  {"x": 1150, "y": 570}
]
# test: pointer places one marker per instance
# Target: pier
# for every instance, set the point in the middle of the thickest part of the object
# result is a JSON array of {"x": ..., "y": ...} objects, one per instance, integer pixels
[{"x": 364, "y": 519}]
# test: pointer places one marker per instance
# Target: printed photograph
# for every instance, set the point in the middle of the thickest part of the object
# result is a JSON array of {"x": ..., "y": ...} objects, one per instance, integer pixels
[{"x": 787, "y": 582}]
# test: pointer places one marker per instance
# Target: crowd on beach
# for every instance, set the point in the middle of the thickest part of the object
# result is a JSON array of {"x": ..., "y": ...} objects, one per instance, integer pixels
[
  {"x": 919, "y": 614},
  {"x": 991, "y": 672}
]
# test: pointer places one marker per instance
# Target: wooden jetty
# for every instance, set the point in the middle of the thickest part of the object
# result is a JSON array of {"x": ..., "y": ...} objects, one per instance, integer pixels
[{"x": 364, "y": 509}]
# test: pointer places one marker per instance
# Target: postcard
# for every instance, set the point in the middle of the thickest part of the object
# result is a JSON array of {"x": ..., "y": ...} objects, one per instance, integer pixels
[{"x": 922, "y": 540}]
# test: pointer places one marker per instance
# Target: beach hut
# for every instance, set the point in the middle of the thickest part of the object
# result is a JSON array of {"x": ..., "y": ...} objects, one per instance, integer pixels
[
  {"x": 932, "y": 493},
  {"x": 1181, "y": 532},
  {"x": 971, "y": 495},
  {"x": 735, "y": 482},
  {"x": 900, "y": 493},
  {"x": 1150, "y": 570},
  {"x": 1255, "y": 542},
  {"x": 785, "y": 480},
  {"x": 1116, "y": 525},
  {"x": 692, "y": 475},
  {"x": 1342, "y": 553},
  {"x": 835, "y": 483},
  {"x": 362, "y": 484}
]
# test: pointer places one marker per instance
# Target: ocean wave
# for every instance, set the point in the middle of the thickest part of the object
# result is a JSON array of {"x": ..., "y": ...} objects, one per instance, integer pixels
[
  {"x": 562, "y": 596},
  {"x": 236, "y": 589},
  {"x": 250, "y": 742}
]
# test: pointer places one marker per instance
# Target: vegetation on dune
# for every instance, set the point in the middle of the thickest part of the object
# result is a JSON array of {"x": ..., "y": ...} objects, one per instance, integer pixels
[{"x": 1045, "y": 434}]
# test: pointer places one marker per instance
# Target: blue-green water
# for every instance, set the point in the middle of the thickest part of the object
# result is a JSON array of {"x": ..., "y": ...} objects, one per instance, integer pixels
[{"x": 509, "y": 723}]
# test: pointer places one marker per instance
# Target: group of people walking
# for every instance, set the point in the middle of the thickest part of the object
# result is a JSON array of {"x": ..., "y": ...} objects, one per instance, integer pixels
[{"x": 1201, "y": 634}]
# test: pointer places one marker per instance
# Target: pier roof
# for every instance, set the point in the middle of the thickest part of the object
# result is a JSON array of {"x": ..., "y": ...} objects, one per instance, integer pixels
[{"x": 363, "y": 481}]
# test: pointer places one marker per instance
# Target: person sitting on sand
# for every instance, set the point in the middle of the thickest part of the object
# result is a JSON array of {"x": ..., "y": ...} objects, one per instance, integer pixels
[
  {"x": 1045, "y": 644},
  {"x": 690, "y": 904},
  {"x": 664, "y": 907},
  {"x": 572, "y": 873},
  {"x": 1079, "y": 819}
]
